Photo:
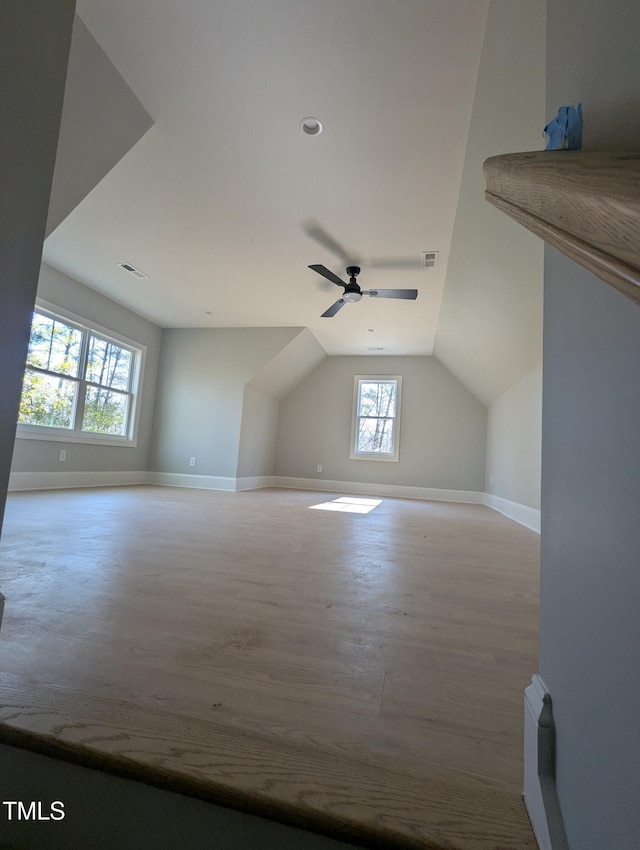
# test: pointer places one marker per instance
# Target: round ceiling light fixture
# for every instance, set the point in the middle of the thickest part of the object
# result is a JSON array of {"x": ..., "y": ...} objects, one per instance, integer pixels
[{"x": 311, "y": 126}]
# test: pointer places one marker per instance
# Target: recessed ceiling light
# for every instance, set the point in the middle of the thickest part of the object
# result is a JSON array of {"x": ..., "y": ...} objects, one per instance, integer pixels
[
  {"x": 311, "y": 126},
  {"x": 134, "y": 271}
]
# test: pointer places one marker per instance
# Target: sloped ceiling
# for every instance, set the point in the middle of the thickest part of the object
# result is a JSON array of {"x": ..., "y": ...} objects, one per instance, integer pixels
[
  {"x": 216, "y": 202},
  {"x": 490, "y": 328},
  {"x": 289, "y": 366},
  {"x": 91, "y": 142},
  {"x": 225, "y": 201}
]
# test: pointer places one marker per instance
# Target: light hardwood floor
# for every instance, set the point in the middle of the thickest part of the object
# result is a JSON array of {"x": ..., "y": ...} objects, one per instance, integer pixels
[{"x": 401, "y": 639}]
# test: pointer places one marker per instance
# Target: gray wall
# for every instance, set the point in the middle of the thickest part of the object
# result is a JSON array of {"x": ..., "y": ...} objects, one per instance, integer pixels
[
  {"x": 262, "y": 395},
  {"x": 256, "y": 450},
  {"x": 490, "y": 325},
  {"x": 590, "y": 577},
  {"x": 514, "y": 435},
  {"x": 42, "y": 455},
  {"x": 443, "y": 427},
  {"x": 35, "y": 37},
  {"x": 202, "y": 378}
]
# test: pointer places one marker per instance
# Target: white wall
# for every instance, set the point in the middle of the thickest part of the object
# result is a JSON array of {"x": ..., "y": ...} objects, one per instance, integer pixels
[
  {"x": 201, "y": 390},
  {"x": 590, "y": 575},
  {"x": 443, "y": 427},
  {"x": 42, "y": 455},
  {"x": 514, "y": 442},
  {"x": 35, "y": 37}
]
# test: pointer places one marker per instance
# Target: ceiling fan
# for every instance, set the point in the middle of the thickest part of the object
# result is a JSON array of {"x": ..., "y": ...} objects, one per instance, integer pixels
[{"x": 352, "y": 291}]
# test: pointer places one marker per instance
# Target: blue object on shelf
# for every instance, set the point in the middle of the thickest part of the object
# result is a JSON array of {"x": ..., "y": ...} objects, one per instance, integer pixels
[{"x": 564, "y": 133}]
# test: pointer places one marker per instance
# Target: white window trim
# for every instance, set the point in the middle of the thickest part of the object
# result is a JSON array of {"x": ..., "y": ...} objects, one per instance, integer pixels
[
  {"x": 25, "y": 431},
  {"x": 395, "y": 455}
]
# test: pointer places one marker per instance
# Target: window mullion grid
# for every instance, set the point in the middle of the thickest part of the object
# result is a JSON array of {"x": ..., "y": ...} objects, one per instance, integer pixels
[
  {"x": 52, "y": 374},
  {"x": 82, "y": 387},
  {"x": 128, "y": 392}
]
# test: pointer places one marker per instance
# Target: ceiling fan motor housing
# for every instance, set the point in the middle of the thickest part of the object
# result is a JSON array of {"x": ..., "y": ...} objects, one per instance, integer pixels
[{"x": 352, "y": 292}]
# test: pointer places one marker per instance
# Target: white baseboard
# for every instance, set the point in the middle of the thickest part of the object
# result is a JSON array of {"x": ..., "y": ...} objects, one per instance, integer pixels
[
  {"x": 362, "y": 489},
  {"x": 61, "y": 480},
  {"x": 254, "y": 482},
  {"x": 522, "y": 514},
  {"x": 529, "y": 517},
  {"x": 210, "y": 482},
  {"x": 199, "y": 482},
  {"x": 540, "y": 794}
]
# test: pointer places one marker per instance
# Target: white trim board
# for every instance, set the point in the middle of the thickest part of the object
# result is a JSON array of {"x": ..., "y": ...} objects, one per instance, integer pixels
[
  {"x": 225, "y": 483},
  {"x": 529, "y": 517},
  {"x": 22, "y": 481},
  {"x": 254, "y": 482},
  {"x": 19, "y": 481},
  {"x": 364, "y": 489},
  {"x": 198, "y": 482},
  {"x": 540, "y": 793}
]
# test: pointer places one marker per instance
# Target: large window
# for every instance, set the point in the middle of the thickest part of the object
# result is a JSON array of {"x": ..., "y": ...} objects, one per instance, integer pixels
[
  {"x": 376, "y": 418},
  {"x": 80, "y": 383}
]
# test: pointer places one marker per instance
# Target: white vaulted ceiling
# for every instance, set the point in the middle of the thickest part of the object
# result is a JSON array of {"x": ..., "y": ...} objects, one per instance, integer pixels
[{"x": 217, "y": 200}]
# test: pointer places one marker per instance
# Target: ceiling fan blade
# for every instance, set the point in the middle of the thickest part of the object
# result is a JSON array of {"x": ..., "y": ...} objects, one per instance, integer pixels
[
  {"x": 320, "y": 235},
  {"x": 333, "y": 309},
  {"x": 407, "y": 294},
  {"x": 324, "y": 271}
]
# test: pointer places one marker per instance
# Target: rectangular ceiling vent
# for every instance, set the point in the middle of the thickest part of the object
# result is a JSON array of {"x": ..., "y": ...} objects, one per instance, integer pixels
[
  {"x": 134, "y": 271},
  {"x": 429, "y": 259},
  {"x": 376, "y": 348}
]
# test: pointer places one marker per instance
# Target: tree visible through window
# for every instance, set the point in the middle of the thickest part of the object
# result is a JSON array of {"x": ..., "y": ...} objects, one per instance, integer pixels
[
  {"x": 376, "y": 418},
  {"x": 76, "y": 379}
]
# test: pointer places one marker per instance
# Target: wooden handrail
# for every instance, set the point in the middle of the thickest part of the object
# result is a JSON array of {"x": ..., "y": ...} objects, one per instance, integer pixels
[{"x": 585, "y": 204}]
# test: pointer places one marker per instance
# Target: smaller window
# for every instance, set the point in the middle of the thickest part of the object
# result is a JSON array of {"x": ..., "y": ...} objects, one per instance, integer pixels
[{"x": 376, "y": 418}]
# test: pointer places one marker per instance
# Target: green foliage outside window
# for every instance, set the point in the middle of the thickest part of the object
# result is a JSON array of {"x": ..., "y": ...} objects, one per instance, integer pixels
[{"x": 75, "y": 379}]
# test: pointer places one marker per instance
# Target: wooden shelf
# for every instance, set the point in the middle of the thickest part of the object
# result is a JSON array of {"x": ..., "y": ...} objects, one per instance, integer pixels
[{"x": 585, "y": 204}]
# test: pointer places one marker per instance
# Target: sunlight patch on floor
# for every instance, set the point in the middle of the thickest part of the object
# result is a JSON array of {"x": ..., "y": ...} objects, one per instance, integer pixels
[{"x": 348, "y": 504}]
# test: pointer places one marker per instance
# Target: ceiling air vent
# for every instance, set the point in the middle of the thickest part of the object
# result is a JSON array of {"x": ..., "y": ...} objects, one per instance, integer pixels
[
  {"x": 134, "y": 271},
  {"x": 376, "y": 348},
  {"x": 429, "y": 259}
]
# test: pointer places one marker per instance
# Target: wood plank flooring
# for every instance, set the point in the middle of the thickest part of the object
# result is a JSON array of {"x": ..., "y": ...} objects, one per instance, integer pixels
[{"x": 398, "y": 642}]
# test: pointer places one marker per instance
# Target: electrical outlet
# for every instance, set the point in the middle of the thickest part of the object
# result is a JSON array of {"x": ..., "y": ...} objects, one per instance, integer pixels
[
  {"x": 63, "y": 454},
  {"x": 319, "y": 468},
  {"x": 192, "y": 461}
]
